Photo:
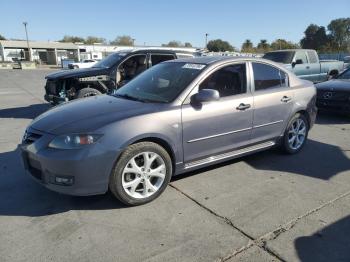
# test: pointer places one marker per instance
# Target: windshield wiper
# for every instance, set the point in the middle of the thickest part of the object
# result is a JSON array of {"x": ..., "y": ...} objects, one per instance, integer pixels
[{"x": 129, "y": 97}]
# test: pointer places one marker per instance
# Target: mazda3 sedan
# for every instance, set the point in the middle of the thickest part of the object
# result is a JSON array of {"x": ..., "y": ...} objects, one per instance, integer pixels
[{"x": 178, "y": 116}]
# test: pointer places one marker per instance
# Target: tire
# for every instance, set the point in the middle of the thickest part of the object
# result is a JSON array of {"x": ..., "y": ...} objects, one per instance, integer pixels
[
  {"x": 293, "y": 129},
  {"x": 75, "y": 67},
  {"x": 132, "y": 188},
  {"x": 87, "y": 92}
]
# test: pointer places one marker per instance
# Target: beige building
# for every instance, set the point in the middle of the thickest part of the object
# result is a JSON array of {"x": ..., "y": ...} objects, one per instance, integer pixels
[{"x": 50, "y": 53}]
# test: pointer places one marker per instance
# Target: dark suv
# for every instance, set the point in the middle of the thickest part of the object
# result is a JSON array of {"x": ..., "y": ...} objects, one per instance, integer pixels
[{"x": 105, "y": 76}]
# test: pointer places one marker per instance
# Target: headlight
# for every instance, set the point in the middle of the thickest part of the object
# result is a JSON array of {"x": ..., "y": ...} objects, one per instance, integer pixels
[{"x": 73, "y": 141}]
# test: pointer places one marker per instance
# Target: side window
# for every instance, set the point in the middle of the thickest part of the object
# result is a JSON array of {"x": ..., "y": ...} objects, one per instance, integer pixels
[
  {"x": 312, "y": 57},
  {"x": 267, "y": 77},
  {"x": 158, "y": 58},
  {"x": 230, "y": 80},
  {"x": 301, "y": 55}
]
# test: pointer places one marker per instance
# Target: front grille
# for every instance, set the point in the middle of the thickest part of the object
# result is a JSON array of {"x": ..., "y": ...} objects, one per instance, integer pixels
[
  {"x": 30, "y": 137},
  {"x": 51, "y": 87},
  {"x": 32, "y": 166},
  {"x": 35, "y": 172}
]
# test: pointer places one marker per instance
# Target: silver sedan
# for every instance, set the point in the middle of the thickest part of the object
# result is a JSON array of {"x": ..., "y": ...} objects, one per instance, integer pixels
[{"x": 177, "y": 116}]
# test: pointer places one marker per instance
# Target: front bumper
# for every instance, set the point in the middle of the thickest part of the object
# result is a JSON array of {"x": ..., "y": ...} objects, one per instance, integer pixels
[
  {"x": 87, "y": 168},
  {"x": 335, "y": 106},
  {"x": 55, "y": 99}
]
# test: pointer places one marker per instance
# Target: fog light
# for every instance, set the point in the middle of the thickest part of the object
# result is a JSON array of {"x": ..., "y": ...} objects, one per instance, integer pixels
[{"x": 65, "y": 181}]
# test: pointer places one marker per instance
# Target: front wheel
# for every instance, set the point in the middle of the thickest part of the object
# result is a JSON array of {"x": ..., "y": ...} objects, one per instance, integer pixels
[
  {"x": 141, "y": 174},
  {"x": 296, "y": 134},
  {"x": 87, "y": 92}
]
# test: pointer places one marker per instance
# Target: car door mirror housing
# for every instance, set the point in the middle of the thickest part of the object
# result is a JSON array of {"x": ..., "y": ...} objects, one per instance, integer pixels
[
  {"x": 205, "y": 95},
  {"x": 297, "y": 62}
]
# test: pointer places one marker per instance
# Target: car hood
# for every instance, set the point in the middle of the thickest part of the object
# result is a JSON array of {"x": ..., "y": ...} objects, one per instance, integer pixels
[
  {"x": 83, "y": 72},
  {"x": 89, "y": 114},
  {"x": 334, "y": 84}
]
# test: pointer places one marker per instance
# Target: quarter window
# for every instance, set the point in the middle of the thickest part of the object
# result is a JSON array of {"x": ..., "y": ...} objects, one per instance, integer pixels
[
  {"x": 267, "y": 77},
  {"x": 230, "y": 80},
  {"x": 312, "y": 57}
]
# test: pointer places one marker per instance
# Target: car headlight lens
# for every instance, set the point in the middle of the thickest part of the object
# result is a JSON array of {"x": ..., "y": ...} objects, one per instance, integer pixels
[{"x": 73, "y": 141}]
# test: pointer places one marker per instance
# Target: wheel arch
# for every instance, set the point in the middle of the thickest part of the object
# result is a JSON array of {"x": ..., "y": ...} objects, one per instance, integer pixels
[
  {"x": 163, "y": 143},
  {"x": 333, "y": 72}
]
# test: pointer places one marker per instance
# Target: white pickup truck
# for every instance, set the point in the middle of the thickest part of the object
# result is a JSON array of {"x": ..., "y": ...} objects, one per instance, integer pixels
[
  {"x": 306, "y": 64},
  {"x": 83, "y": 64}
]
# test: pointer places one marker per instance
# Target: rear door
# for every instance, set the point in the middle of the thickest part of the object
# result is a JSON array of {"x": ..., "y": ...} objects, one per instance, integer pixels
[
  {"x": 273, "y": 100},
  {"x": 314, "y": 67}
]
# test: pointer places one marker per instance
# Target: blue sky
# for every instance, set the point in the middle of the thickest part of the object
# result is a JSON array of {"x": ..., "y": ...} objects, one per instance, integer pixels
[{"x": 155, "y": 22}]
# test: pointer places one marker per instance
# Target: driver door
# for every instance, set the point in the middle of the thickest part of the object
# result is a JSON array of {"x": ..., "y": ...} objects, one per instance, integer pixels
[{"x": 219, "y": 126}]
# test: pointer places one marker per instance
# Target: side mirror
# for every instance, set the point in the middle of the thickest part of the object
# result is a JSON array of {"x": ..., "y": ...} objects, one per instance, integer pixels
[
  {"x": 297, "y": 62},
  {"x": 205, "y": 95}
]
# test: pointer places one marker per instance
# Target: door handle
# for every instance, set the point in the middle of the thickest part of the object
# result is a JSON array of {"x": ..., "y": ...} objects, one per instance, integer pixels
[
  {"x": 243, "y": 106},
  {"x": 286, "y": 99},
  {"x": 307, "y": 67}
]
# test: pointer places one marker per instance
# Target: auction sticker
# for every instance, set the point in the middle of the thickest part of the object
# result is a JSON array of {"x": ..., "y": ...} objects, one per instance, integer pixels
[{"x": 193, "y": 66}]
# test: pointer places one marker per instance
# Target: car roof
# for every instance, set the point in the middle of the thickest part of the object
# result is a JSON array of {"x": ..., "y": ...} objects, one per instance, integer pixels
[{"x": 217, "y": 59}]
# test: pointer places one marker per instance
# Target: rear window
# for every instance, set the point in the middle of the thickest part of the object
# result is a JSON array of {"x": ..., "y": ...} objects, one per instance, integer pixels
[
  {"x": 284, "y": 57},
  {"x": 267, "y": 77}
]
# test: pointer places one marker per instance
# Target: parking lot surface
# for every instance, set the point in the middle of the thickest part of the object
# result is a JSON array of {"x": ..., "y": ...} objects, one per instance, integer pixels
[{"x": 264, "y": 207}]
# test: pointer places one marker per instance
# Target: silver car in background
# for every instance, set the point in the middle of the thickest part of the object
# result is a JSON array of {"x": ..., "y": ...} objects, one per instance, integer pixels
[{"x": 177, "y": 116}]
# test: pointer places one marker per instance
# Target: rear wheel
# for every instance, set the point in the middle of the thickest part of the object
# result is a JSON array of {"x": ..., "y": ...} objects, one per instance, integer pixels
[
  {"x": 141, "y": 174},
  {"x": 296, "y": 134},
  {"x": 86, "y": 92}
]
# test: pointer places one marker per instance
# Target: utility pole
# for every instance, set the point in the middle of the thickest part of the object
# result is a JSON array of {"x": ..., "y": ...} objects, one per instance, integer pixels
[
  {"x": 29, "y": 53},
  {"x": 206, "y": 39}
]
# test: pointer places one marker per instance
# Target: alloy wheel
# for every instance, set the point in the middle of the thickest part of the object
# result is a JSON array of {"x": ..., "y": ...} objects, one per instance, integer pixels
[
  {"x": 297, "y": 133},
  {"x": 143, "y": 175}
]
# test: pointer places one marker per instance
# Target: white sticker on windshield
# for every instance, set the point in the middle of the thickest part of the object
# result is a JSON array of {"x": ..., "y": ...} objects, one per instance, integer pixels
[{"x": 194, "y": 66}]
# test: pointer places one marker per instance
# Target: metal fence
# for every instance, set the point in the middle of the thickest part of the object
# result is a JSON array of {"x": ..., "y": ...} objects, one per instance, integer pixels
[{"x": 336, "y": 56}]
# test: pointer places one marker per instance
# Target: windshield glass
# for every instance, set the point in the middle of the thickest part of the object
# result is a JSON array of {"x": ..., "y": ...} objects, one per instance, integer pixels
[
  {"x": 110, "y": 60},
  {"x": 344, "y": 75},
  {"x": 161, "y": 83},
  {"x": 284, "y": 57}
]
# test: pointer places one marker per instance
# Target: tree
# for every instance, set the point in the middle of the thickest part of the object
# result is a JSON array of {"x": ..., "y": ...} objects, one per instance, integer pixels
[
  {"x": 339, "y": 33},
  {"x": 187, "y": 44},
  {"x": 263, "y": 46},
  {"x": 173, "y": 43},
  {"x": 93, "y": 39},
  {"x": 2, "y": 37},
  {"x": 315, "y": 38},
  {"x": 281, "y": 44},
  {"x": 124, "y": 40},
  {"x": 247, "y": 47},
  {"x": 219, "y": 45},
  {"x": 72, "y": 39}
]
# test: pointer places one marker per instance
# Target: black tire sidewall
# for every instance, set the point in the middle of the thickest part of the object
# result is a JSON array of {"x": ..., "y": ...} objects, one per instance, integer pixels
[
  {"x": 115, "y": 184},
  {"x": 285, "y": 144}
]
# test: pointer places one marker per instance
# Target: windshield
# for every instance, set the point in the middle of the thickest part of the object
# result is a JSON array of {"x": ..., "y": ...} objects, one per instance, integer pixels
[
  {"x": 284, "y": 57},
  {"x": 161, "y": 83},
  {"x": 110, "y": 60},
  {"x": 344, "y": 75}
]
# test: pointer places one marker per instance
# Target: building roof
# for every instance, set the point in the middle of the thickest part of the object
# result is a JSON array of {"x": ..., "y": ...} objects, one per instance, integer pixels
[{"x": 35, "y": 44}]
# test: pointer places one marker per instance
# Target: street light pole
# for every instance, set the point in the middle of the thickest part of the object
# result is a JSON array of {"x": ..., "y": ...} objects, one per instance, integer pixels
[
  {"x": 206, "y": 40},
  {"x": 29, "y": 53},
  {"x": 133, "y": 41}
]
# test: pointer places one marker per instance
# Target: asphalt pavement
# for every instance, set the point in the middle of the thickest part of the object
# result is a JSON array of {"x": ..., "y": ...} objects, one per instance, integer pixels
[{"x": 263, "y": 207}]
